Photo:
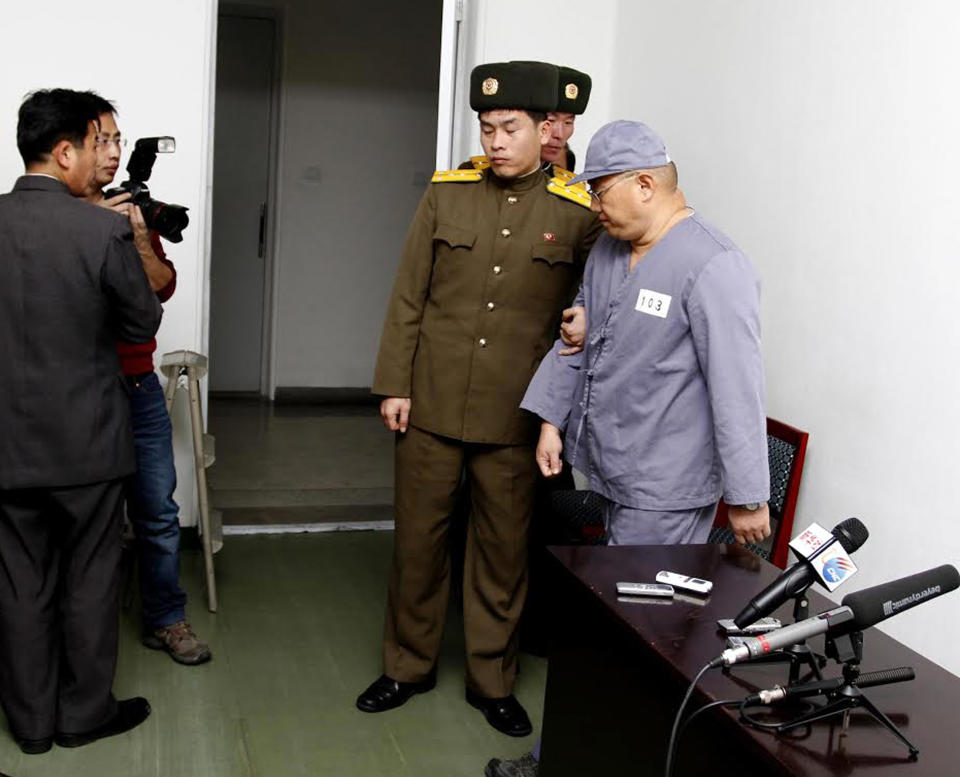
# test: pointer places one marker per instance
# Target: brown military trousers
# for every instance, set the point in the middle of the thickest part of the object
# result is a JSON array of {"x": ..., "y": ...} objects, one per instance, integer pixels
[{"x": 501, "y": 479}]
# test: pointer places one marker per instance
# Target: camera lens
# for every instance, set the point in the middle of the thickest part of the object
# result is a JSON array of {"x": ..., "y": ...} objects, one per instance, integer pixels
[{"x": 168, "y": 221}]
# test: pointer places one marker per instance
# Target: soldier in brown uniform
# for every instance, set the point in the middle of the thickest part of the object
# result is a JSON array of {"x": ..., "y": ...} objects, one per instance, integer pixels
[{"x": 491, "y": 259}]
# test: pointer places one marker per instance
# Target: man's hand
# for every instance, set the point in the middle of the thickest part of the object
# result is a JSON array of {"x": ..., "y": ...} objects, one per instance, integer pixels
[
  {"x": 121, "y": 204},
  {"x": 750, "y": 525},
  {"x": 112, "y": 202},
  {"x": 573, "y": 330},
  {"x": 157, "y": 272},
  {"x": 549, "y": 449},
  {"x": 141, "y": 234},
  {"x": 395, "y": 412}
]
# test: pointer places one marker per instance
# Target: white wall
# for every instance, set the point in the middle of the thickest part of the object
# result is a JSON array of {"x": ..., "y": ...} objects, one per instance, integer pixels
[
  {"x": 823, "y": 137},
  {"x": 58, "y": 43}
]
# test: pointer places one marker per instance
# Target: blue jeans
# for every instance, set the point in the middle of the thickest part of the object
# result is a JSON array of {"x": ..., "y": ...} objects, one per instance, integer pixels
[{"x": 150, "y": 506}]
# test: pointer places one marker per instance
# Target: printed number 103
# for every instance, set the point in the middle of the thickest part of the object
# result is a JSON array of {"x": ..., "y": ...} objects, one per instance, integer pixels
[{"x": 653, "y": 303}]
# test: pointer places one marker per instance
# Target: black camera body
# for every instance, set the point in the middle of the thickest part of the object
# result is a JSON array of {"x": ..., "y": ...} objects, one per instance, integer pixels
[{"x": 165, "y": 219}]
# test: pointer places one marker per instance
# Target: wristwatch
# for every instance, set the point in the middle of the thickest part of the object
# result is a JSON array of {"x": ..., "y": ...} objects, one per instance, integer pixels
[{"x": 751, "y": 506}]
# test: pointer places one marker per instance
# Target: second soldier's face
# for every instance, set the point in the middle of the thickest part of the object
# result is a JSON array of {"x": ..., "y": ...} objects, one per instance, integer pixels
[
  {"x": 561, "y": 130},
  {"x": 512, "y": 141}
]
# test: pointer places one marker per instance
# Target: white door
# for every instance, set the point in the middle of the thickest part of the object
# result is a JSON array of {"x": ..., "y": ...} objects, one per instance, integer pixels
[{"x": 241, "y": 175}]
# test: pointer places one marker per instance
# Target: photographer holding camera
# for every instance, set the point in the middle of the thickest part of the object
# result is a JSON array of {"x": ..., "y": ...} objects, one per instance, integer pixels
[{"x": 151, "y": 508}]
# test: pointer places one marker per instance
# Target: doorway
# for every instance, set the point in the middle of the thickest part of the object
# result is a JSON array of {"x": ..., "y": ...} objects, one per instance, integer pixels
[{"x": 241, "y": 268}]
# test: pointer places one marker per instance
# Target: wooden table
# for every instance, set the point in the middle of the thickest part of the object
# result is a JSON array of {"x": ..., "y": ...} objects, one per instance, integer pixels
[{"x": 617, "y": 672}]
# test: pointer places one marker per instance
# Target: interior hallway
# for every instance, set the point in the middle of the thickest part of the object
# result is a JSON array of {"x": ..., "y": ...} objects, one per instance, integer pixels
[{"x": 318, "y": 466}]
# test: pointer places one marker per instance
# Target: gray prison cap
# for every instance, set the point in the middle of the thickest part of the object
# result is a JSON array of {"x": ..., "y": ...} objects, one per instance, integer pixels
[{"x": 621, "y": 146}]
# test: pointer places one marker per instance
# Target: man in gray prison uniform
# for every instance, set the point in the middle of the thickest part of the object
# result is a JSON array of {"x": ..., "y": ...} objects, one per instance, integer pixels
[{"x": 664, "y": 406}]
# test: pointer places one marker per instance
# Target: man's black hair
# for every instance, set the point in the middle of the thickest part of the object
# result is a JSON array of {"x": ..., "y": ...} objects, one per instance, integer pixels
[
  {"x": 536, "y": 116},
  {"x": 49, "y": 116},
  {"x": 102, "y": 104}
]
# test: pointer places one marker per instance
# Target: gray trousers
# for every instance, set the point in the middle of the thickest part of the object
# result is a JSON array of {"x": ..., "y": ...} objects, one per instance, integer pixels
[{"x": 633, "y": 526}]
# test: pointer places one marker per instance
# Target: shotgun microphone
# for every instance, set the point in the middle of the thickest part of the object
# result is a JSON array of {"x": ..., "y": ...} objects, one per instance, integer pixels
[
  {"x": 877, "y": 603},
  {"x": 858, "y": 611},
  {"x": 825, "y": 687}
]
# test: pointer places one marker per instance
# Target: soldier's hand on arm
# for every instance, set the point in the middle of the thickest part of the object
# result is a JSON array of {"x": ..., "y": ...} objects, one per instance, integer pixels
[
  {"x": 549, "y": 449},
  {"x": 573, "y": 330},
  {"x": 395, "y": 412},
  {"x": 750, "y": 525}
]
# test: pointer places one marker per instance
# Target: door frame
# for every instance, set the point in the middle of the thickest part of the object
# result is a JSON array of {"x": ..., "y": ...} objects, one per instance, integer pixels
[
  {"x": 271, "y": 268},
  {"x": 451, "y": 52}
]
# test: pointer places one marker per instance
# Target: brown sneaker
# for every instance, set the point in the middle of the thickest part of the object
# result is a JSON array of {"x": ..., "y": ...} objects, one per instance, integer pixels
[{"x": 180, "y": 642}]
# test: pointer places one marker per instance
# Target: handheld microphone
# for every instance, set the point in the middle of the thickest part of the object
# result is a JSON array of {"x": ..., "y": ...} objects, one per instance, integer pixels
[
  {"x": 858, "y": 611},
  {"x": 753, "y": 647},
  {"x": 851, "y": 534}
]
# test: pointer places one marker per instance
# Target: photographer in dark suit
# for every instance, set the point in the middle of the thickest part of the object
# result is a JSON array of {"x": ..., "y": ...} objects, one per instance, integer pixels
[{"x": 72, "y": 285}]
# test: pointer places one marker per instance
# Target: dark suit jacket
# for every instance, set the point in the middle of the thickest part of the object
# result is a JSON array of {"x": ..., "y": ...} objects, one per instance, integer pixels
[{"x": 71, "y": 285}]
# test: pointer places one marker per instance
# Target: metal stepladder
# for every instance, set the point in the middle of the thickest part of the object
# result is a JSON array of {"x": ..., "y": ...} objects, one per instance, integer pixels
[{"x": 193, "y": 366}]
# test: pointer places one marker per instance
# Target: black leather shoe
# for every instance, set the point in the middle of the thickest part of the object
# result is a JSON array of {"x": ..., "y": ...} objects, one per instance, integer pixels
[
  {"x": 386, "y": 694},
  {"x": 130, "y": 714},
  {"x": 504, "y": 714},
  {"x": 34, "y": 746}
]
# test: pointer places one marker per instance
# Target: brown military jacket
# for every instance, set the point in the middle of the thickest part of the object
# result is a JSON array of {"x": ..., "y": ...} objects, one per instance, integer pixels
[{"x": 487, "y": 267}]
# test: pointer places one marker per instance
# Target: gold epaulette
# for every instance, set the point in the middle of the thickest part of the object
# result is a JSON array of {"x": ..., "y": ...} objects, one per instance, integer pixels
[
  {"x": 480, "y": 162},
  {"x": 576, "y": 193},
  {"x": 562, "y": 173},
  {"x": 457, "y": 176}
]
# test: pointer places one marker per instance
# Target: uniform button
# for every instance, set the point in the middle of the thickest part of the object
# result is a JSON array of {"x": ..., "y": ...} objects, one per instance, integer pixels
[
  {"x": 497, "y": 269},
  {"x": 490, "y": 306},
  {"x": 512, "y": 200},
  {"x": 483, "y": 342},
  {"x": 505, "y": 232}
]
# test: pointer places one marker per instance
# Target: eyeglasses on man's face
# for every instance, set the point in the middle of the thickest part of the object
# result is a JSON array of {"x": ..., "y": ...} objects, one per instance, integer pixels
[
  {"x": 103, "y": 142},
  {"x": 597, "y": 194}
]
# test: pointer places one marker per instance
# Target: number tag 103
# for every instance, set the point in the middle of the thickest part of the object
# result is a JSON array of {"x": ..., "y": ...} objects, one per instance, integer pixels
[{"x": 653, "y": 303}]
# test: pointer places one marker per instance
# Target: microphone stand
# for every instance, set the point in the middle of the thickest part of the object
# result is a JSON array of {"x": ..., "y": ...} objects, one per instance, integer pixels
[
  {"x": 798, "y": 655},
  {"x": 848, "y": 650},
  {"x": 801, "y": 653}
]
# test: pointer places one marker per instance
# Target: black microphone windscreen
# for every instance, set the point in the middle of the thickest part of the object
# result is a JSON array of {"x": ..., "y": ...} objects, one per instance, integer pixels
[
  {"x": 872, "y": 605},
  {"x": 851, "y": 533}
]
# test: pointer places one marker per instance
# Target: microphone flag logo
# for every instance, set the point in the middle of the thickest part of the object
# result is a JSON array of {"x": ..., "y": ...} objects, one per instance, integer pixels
[
  {"x": 834, "y": 566},
  {"x": 836, "y": 569}
]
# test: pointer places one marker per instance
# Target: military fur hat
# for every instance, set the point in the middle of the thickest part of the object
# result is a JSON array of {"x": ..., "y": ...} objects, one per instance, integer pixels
[
  {"x": 574, "y": 92},
  {"x": 529, "y": 86}
]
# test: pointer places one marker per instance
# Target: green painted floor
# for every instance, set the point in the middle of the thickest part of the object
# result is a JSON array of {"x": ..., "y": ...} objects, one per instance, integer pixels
[{"x": 296, "y": 639}]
